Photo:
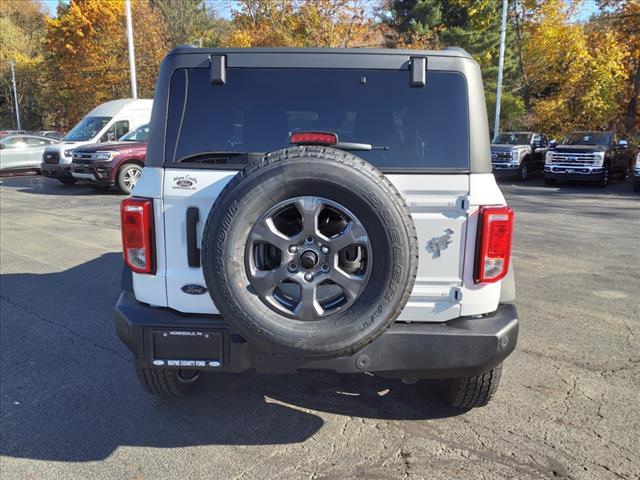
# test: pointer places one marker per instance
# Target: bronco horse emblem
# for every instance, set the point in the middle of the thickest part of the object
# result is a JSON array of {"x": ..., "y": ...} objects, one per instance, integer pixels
[{"x": 437, "y": 244}]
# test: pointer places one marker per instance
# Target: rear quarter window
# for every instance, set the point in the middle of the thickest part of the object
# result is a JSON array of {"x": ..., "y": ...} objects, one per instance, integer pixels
[{"x": 258, "y": 109}]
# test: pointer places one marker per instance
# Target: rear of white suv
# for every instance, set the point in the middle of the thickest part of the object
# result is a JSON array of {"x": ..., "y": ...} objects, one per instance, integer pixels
[{"x": 319, "y": 209}]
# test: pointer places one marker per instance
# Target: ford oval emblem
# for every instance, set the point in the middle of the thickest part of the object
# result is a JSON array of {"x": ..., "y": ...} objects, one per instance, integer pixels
[
  {"x": 194, "y": 289},
  {"x": 184, "y": 183}
]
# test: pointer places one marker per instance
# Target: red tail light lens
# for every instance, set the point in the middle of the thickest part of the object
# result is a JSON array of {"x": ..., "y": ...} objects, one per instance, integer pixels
[
  {"x": 494, "y": 247},
  {"x": 137, "y": 234},
  {"x": 314, "y": 138}
]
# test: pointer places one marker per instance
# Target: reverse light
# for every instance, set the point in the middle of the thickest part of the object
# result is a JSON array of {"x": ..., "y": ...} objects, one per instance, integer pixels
[
  {"x": 313, "y": 138},
  {"x": 495, "y": 232},
  {"x": 137, "y": 234}
]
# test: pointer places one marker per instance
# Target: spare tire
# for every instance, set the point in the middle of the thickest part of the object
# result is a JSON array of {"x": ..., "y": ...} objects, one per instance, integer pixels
[{"x": 310, "y": 252}]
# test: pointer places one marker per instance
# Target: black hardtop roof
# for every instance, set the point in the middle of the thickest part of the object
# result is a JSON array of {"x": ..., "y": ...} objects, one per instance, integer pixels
[
  {"x": 451, "y": 59},
  {"x": 446, "y": 52}
]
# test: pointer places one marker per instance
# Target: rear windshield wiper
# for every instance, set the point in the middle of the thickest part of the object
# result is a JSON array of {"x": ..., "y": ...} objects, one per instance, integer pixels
[{"x": 358, "y": 146}]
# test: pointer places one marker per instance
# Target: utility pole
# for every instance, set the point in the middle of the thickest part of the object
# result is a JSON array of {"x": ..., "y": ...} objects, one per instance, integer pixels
[
  {"x": 15, "y": 95},
  {"x": 132, "y": 53},
  {"x": 503, "y": 37}
]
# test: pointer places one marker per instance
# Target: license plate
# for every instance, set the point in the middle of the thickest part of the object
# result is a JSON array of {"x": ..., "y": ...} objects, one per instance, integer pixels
[{"x": 188, "y": 348}]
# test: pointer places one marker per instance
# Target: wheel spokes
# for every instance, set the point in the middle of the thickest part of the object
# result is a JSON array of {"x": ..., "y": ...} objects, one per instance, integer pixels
[
  {"x": 266, "y": 231},
  {"x": 314, "y": 274},
  {"x": 351, "y": 285},
  {"x": 308, "y": 307},
  {"x": 354, "y": 233},
  {"x": 309, "y": 208},
  {"x": 264, "y": 282}
]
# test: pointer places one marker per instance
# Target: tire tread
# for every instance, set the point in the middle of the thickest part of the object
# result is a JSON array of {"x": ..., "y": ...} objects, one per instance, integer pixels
[
  {"x": 161, "y": 383},
  {"x": 470, "y": 392}
]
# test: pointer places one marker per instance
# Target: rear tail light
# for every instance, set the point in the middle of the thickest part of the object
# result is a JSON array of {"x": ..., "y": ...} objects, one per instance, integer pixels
[
  {"x": 494, "y": 246},
  {"x": 313, "y": 138},
  {"x": 137, "y": 234}
]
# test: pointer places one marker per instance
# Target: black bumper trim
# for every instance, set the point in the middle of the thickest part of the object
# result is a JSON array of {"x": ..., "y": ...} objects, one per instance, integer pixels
[
  {"x": 56, "y": 170},
  {"x": 460, "y": 347},
  {"x": 585, "y": 177}
]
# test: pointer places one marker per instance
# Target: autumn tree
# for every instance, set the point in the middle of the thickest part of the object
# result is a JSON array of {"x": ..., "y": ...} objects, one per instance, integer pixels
[
  {"x": 22, "y": 26},
  {"x": 577, "y": 74},
  {"x": 302, "y": 23},
  {"x": 87, "y": 54},
  {"x": 622, "y": 19}
]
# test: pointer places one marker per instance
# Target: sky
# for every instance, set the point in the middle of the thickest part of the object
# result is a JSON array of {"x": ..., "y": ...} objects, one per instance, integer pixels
[{"x": 224, "y": 7}]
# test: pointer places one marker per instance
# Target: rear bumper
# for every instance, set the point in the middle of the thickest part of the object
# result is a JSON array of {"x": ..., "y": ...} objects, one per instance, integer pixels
[{"x": 457, "y": 348}]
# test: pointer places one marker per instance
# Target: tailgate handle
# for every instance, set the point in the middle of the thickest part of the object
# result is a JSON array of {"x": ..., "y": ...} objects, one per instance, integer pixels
[{"x": 193, "y": 252}]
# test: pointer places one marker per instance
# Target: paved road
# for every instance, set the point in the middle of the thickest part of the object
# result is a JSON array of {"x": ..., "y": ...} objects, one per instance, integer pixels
[{"x": 71, "y": 407}]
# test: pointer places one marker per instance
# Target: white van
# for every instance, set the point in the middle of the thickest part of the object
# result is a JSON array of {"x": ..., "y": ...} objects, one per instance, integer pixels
[{"x": 105, "y": 123}]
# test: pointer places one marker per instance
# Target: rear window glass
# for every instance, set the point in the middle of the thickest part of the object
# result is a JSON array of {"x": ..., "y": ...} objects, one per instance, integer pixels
[{"x": 258, "y": 109}]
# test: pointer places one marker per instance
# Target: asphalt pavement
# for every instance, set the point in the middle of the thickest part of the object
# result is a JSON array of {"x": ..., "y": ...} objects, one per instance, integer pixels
[{"x": 71, "y": 407}]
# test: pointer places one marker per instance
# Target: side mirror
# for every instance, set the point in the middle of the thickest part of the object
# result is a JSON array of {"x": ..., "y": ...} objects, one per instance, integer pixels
[
  {"x": 553, "y": 143},
  {"x": 623, "y": 144}
]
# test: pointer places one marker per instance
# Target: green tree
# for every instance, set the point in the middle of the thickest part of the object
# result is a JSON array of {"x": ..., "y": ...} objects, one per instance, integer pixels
[
  {"x": 187, "y": 20},
  {"x": 472, "y": 25}
]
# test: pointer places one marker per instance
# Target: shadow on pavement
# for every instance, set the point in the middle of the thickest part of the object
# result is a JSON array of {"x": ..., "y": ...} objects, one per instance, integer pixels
[
  {"x": 69, "y": 393},
  {"x": 39, "y": 185},
  {"x": 538, "y": 187}
]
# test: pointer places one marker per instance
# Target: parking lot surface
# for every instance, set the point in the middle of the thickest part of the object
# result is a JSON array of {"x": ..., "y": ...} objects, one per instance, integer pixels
[{"x": 568, "y": 405}]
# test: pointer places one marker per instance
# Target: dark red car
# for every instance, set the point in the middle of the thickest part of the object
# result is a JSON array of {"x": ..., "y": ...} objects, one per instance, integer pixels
[{"x": 112, "y": 164}]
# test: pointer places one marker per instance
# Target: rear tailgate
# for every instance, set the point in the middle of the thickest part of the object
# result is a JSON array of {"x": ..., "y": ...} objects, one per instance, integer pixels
[{"x": 438, "y": 204}]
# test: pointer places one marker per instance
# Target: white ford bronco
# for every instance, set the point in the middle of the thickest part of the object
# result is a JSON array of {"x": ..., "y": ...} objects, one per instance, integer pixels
[{"x": 319, "y": 209}]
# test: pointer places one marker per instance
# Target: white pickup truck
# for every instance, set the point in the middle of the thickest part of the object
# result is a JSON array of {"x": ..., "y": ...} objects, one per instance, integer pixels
[{"x": 319, "y": 209}]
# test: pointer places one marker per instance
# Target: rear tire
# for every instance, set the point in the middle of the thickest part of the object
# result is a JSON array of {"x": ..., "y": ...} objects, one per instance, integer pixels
[
  {"x": 470, "y": 392},
  {"x": 167, "y": 383},
  {"x": 68, "y": 181}
]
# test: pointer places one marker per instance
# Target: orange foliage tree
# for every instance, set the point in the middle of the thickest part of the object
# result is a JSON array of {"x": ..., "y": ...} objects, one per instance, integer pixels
[
  {"x": 303, "y": 23},
  {"x": 87, "y": 54}
]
